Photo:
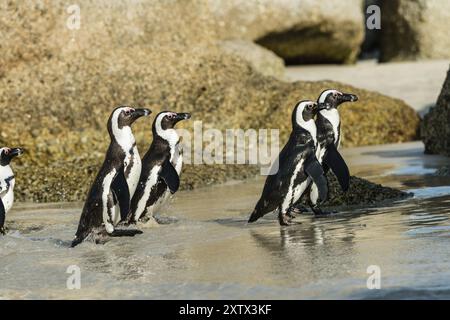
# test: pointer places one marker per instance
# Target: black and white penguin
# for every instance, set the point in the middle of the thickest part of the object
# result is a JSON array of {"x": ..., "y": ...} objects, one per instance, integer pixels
[
  {"x": 328, "y": 125},
  {"x": 297, "y": 167},
  {"x": 161, "y": 167},
  {"x": 108, "y": 201},
  {"x": 7, "y": 182}
]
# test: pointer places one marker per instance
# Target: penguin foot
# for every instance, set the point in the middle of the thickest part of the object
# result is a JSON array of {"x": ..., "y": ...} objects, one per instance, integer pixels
[
  {"x": 2, "y": 231},
  {"x": 295, "y": 210},
  {"x": 148, "y": 222},
  {"x": 285, "y": 220}
]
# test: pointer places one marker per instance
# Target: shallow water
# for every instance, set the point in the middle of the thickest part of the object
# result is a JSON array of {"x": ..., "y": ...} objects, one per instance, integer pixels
[{"x": 209, "y": 252}]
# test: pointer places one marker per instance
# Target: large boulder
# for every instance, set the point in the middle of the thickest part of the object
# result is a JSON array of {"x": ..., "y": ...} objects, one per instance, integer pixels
[
  {"x": 300, "y": 31},
  {"x": 56, "y": 102},
  {"x": 415, "y": 29},
  {"x": 261, "y": 59},
  {"x": 435, "y": 129}
]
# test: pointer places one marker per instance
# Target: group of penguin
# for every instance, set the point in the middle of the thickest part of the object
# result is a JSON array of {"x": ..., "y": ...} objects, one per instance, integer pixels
[{"x": 128, "y": 189}]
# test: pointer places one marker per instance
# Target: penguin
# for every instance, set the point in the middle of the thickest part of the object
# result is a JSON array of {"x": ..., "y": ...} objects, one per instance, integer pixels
[
  {"x": 328, "y": 125},
  {"x": 298, "y": 166},
  {"x": 161, "y": 167},
  {"x": 7, "y": 182},
  {"x": 108, "y": 201}
]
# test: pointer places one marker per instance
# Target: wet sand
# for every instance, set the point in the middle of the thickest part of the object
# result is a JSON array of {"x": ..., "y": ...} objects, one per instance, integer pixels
[
  {"x": 211, "y": 253},
  {"x": 417, "y": 83}
]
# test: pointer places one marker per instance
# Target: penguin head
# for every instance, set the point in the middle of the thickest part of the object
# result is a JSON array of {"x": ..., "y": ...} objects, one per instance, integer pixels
[
  {"x": 333, "y": 98},
  {"x": 167, "y": 120},
  {"x": 304, "y": 112},
  {"x": 123, "y": 117},
  {"x": 7, "y": 154}
]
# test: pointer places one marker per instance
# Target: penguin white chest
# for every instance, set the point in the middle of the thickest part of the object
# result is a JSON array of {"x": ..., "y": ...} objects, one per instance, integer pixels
[
  {"x": 177, "y": 158},
  {"x": 7, "y": 183},
  {"x": 8, "y": 196},
  {"x": 333, "y": 117},
  {"x": 133, "y": 167}
]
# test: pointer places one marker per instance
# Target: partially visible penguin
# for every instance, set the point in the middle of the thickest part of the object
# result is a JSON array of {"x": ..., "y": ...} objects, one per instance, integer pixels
[
  {"x": 297, "y": 166},
  {"x": 108, "y": 201},
  {"x": 161, "y": 167},
  {"x": 7, "y": 182},
  {"x": 329, "y": 137}
]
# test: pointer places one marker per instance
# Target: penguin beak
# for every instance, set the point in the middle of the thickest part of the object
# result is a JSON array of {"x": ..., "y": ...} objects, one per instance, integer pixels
[
  {"x": 141, "y": 113},
  {"x": 137, "y": 113},
  {"x": 16, "y": 152},
  {"x": 182, "y": 116},
  {"x": 347, "y": 97}
]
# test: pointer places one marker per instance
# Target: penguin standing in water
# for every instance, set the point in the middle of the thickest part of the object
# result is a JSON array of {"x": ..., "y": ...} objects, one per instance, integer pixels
[
  {"x": 7, "y": 182},
  {"x": 328, "y": 125},
  {"x": 297, "y": 165},
  {"x": 161, "y": 167},
  {"x": 108, "y": 200}
]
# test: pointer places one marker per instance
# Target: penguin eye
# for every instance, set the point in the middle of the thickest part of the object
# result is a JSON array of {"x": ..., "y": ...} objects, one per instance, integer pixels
[
  {"x": 127, "y": 112},
  {"x": 6, "y": 151},
  {"x": 170, "y": 116}
]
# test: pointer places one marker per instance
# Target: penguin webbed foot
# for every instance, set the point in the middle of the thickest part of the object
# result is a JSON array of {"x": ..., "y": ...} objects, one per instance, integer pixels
[
  {"x": 285, "y": 220},
  {"x": 3, "y": 231},
  {"x": 296, "y": 209}
]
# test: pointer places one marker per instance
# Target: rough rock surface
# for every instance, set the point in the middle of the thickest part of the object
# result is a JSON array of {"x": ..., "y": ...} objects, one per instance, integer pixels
[
  {"x": 415, "y": 29},
  {"x": 56, "y": 96},
  {"x": 435, "y": 129},
  {"x": 297, "y": 30}
]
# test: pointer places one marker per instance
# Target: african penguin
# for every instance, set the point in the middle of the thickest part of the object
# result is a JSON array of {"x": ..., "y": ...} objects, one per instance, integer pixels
[
  {"x": 161, "y": 167},
  {"x": 297, "y": 165},
  {"x": 329, "y": 137},
  {"x": 7, "y": 182},
  {"x": 108, "y": 201}
]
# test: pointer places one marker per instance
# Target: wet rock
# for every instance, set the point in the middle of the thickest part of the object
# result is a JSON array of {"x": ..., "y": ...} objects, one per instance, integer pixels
[
  {"x": 261, "y": 59},
  {"x": 435, "y": 129},
  {"x": 299, "y": 30},
  {"x": 415, "y": 29},
  {"x": 361, "y": 192}
]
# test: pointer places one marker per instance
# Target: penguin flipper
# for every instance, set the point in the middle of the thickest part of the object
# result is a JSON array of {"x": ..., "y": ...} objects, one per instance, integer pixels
[
  {"x": 120, "y": 188},
  {"x": 315, "y": 171},
  {"x": 2, "y": 217},
  {"x": 170, "y": 176},
  {"x": 334, "y": 160}
]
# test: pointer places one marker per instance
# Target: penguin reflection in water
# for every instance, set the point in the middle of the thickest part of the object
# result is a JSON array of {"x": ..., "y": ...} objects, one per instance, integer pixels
[
  {"x": 297, "y": 165},
  {"x": 161, "y": 168},
  {"x": 7, "y": 182},
  {"x": 108, "y": 200}
]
